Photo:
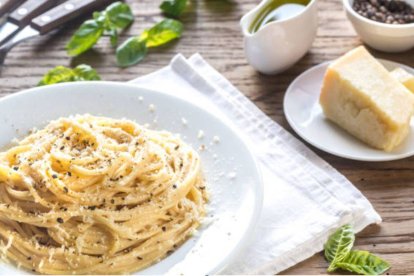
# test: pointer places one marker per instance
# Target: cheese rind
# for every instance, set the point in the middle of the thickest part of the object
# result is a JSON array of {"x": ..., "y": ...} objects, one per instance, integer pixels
[
  {"x": 361, "y": 96},
  {"x": 404, "y": 77}
]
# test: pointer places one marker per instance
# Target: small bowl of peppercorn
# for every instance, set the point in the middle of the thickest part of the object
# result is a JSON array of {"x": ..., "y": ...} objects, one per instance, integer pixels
[{"x": 385, "y": 25}]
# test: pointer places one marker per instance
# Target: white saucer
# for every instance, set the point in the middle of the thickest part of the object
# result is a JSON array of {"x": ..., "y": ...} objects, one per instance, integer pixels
[{"x": 305, "y": 116}]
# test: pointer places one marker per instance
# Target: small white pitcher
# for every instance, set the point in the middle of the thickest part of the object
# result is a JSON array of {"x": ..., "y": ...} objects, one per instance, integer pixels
[{"x": 279, "y": 44}]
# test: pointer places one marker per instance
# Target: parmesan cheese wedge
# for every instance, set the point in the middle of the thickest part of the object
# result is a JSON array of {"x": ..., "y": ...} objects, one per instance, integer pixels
[
  {"x": 362, "y": 97},
  {"x": 404, "y": 77}
]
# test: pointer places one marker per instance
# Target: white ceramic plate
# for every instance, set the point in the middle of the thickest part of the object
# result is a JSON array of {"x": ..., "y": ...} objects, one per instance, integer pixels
[
  {"x": 305, "y": 116},
  {"x": 232, "y": 176}
]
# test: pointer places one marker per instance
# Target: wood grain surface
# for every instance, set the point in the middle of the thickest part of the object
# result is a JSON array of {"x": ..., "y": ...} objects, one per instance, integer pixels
[{"x": 212, "y": 29}]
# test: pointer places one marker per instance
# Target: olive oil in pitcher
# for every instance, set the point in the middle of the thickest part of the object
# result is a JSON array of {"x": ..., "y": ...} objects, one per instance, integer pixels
[{"x": 277, "y": 10}]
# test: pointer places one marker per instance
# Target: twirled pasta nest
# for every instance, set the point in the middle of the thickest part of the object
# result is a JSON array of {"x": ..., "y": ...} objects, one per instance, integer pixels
[{"x": 94, "y": 195}]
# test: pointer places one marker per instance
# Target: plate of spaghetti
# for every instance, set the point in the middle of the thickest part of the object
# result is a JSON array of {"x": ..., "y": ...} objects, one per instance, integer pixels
[{"x": 110, "y": 178}]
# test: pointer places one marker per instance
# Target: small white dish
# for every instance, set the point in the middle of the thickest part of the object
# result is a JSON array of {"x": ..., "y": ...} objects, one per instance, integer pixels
[
  {"x": 278, "y": 45},
  {"x": 305, "y": 116},
  {"x": 233, "y": 179},
  {"x": 381, "y": 36}
]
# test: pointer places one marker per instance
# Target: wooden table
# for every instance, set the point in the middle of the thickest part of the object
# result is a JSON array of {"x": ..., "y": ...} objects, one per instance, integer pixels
[{"x": 212, "y": 29}]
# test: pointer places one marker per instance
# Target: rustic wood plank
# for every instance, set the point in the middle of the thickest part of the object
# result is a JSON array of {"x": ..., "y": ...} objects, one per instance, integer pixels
[{"x": 212, "y": 29}]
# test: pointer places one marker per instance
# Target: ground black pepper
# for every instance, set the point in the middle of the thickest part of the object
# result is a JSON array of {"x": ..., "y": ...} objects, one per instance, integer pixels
[
  {"x": 60, "y": 220},
  {"x": 385, "y": 11}
]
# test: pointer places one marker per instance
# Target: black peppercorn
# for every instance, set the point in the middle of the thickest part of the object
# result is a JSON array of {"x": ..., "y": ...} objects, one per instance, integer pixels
[{"x": 385, "y": 11}]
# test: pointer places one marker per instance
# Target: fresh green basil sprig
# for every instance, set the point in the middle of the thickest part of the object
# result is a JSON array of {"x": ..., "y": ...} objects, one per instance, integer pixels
[
  {"x": 114, "y": 18},
  {"x": 173, "y": 8},
  {"x": 339, "y": 245},
  {"x": 338, "y": 251},
  {"x": 363, "y": 262},
  {"x": 60, "y": 74},
  {"x": 135, "y": 49}
]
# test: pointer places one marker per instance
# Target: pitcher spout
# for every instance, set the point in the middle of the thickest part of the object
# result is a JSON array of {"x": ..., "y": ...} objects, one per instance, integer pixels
[{"x": 248, "y": 19}]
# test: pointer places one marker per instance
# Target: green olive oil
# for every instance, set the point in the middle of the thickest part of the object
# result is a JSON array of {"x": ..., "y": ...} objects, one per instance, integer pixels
[{"x": 277, "y": 10}]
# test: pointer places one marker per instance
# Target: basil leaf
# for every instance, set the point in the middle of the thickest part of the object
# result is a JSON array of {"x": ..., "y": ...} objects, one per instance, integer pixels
[
  {"x": 85, "y": 72},
  {"x": 364, "y": 263},
  {"x": 57, "y": 75},
  {"x": 85, "y": 37},
  {"x": 113, "y": 35},
  {"x": 63, "y": 74},
  {"x": 162, "y": 33},
  {"x": 119, "y": 15},
  {"x": 173, "y": 8},
  {"x": 131, "y": 52},
  {"x": 100, "y": 17},
  {"x": 134, "y": 49},
  {"x": 339, "y": 245}
]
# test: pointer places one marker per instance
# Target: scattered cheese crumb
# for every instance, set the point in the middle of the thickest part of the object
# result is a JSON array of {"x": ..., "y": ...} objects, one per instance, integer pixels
[
  {"x": 8, "y": 245},
  {"x": 202, "y": 147},
  {"x": 52, "y": 253},
  {"x": 200, "y": 134},
  {"x": 141, "y": 99},
  {"x": 232, "y": 175},
  {"x": 216, "y": 139},
  {"x": 215, "y": 156},
  {"x": 151, "y": 108},
  {"x": 184, "y": 121}
]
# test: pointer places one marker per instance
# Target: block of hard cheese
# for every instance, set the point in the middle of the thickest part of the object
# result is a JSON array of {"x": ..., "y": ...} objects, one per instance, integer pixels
[
  {"x": 362, "y": 97},
  {"x": 404, "y": 77}
]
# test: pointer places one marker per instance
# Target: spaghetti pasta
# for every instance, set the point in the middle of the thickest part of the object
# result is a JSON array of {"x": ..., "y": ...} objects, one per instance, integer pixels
[{"x": 94, "y": 195}]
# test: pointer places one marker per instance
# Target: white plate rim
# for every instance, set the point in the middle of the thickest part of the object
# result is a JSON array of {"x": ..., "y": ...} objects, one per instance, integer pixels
[
  {"x": 247, "y": 235},
  {"x": 299, "y": 132}
]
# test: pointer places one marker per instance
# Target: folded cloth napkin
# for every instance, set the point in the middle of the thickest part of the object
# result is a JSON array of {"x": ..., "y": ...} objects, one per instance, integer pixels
[{"x": 305, "y": 199}]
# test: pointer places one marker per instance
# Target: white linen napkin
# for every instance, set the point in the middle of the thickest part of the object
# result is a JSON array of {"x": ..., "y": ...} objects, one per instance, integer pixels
[{"x": 305, "y": 199}]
